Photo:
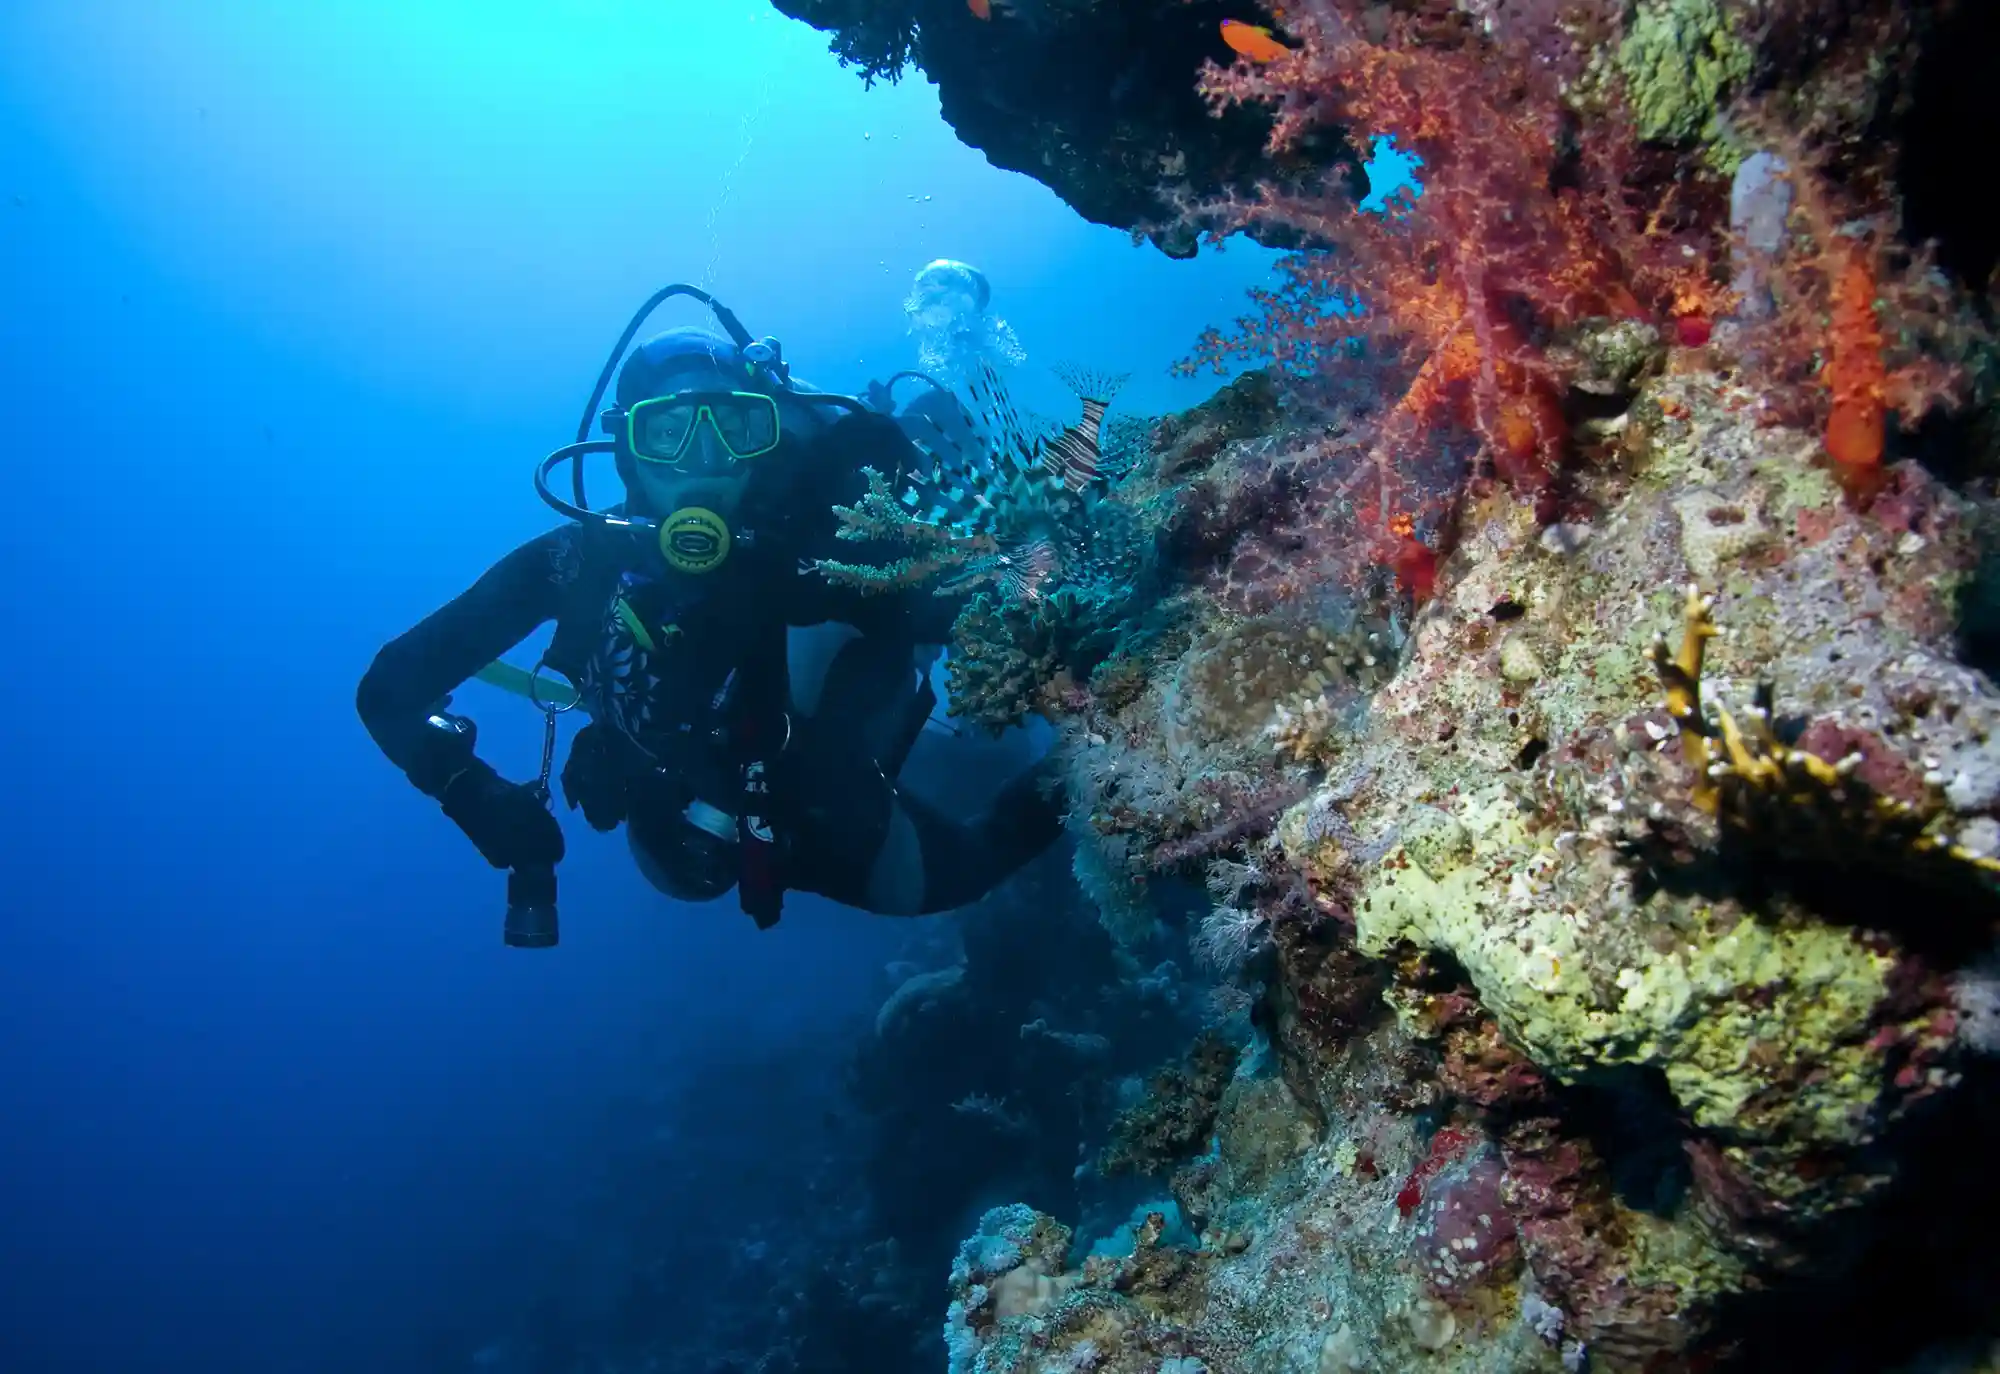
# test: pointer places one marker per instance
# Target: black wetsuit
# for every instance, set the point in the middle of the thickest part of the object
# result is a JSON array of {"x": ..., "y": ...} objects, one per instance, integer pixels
[{"x": 652, "y": 744}]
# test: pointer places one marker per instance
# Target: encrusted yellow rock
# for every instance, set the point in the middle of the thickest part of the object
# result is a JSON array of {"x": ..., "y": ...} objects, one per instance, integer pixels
[{"x": 1724, "y": 1006}]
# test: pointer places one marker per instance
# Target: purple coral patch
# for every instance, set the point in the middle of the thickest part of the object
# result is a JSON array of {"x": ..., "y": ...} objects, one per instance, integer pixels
[
  {"x": 1881, "y": 768},
  {"x": 1465, "y": 1234}
]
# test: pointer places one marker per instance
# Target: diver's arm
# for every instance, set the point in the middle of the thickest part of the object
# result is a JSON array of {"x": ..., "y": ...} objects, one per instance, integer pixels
[
  {"x": 415, "y": 671},
  {"x": 912, "y": 615}
]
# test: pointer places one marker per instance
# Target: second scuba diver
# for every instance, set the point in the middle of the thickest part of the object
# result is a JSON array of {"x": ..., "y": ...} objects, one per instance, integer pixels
[{"x": 737, "y": 746}]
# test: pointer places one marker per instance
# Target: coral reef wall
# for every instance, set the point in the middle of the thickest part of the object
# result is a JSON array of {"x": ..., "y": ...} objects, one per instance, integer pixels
[
  {"x": 1095, "y": 98},
  {"x": 1554, "y": 707}
]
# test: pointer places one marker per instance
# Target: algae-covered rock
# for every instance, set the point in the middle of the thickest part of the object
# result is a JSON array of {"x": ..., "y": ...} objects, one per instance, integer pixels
[
  {"x": 1680, "y": 59},
  {"x": 1724, "y": 1008},
  {"x": 1175, "y": 1117},
  {"x": 1609, "y": 358},
  {"x": 1589, "y": 909},
  {"x": 1717, "y": 530},
  {"x": 1653, "y": 884}
]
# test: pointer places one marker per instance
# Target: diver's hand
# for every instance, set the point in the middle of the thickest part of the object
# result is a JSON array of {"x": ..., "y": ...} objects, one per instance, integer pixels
[
  {"x": 593, "y": 780},
  {"x": 507, "y": 821}
]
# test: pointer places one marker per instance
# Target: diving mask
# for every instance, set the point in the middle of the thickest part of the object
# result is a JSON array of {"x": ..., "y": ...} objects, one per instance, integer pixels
[{"x": 663, "y": 429}]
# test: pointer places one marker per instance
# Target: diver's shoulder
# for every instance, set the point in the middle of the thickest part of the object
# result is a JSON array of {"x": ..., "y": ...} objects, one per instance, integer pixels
[
  {"x": 864, "y": 437},
  {"x": 563, "y": 552}
]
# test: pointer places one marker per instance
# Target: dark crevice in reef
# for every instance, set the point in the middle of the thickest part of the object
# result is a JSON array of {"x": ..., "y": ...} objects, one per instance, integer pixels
[
  {"x": 1632, "y": 1122},
  {"x": 1954, "y": 122},
  {"x": 1911, "y": 1274}
]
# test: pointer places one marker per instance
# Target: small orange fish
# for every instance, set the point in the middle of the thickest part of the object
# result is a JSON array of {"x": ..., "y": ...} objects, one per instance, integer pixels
[
  {"x": 1252, "y": 41},
  {"x": 981, "y": 9}
]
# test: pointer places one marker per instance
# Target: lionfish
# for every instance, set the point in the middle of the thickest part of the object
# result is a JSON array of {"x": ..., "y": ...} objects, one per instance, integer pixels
[{"x": 1027, "y": 486}]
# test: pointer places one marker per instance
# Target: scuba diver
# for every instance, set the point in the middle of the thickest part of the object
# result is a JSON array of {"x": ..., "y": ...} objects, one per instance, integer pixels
[
  {"x": 748, "y": 718},
  {"x": 950, "y": 311}
]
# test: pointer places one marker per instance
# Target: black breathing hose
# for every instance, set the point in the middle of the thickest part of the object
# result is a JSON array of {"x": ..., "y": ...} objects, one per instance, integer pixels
[{"x": 724, "y": 316}]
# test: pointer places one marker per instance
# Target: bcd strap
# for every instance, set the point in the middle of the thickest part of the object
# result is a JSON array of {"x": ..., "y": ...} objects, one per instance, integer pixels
[{"x": 755, "y": 714}]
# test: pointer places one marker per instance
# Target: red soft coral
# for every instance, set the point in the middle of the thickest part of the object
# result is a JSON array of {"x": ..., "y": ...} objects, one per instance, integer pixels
[
  {"x": 1527, "y": 223},
  {"x": 1860, "y": 326}
]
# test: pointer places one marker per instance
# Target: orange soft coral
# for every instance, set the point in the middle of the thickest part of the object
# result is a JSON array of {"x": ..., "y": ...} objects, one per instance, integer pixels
[
  {"x": 1856, "y": 377},
  {"x": 1861, "y": 327}
]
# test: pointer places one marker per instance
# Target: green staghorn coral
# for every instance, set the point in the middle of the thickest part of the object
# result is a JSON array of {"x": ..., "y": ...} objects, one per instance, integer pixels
[{"x": 934, "y": 555}]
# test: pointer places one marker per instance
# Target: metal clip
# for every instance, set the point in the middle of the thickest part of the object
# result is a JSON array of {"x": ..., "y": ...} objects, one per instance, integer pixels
[{"x": 551, "y": 708}]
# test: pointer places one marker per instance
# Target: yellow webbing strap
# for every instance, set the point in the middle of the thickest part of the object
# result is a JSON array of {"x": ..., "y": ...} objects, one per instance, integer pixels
[
  {"x": 635, "y": 625},
  {"x": 523, "y": 683}
]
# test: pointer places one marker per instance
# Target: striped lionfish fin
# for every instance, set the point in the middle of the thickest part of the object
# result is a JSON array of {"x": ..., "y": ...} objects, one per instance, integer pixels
[
  {"x": 1075, "y": 454},
  {"x": 1018, "y": 572},
  {"x": 954, "y": 487},
  {"x": 1028, "y": 567},
  {"x": 1014, "y": 448}
]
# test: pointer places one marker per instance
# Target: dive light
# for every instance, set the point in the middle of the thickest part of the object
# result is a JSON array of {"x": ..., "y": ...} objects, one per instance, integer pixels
[{"x": 531, "y": 909}]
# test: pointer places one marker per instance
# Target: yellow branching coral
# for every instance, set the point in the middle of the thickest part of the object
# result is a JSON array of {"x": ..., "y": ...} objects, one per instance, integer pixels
[
  {"x": 1681, "y": 674},
  {"x": 1756, "y": 784}
]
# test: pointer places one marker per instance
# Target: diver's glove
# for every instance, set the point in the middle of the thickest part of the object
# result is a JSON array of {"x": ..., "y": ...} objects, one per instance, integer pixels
[
  {"x": 507, "y": 821},
  {"x": 594, "y": 778}
]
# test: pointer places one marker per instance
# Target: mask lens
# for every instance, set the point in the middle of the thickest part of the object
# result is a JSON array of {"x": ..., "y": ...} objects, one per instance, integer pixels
[
  {"x": 660, "y": 428},
  {"x": 747, "y": 422},
  {"x": 663, "y": 428}
]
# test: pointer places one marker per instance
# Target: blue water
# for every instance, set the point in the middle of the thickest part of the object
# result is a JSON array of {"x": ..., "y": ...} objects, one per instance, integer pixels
[{"x": 291, "y": 299}]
